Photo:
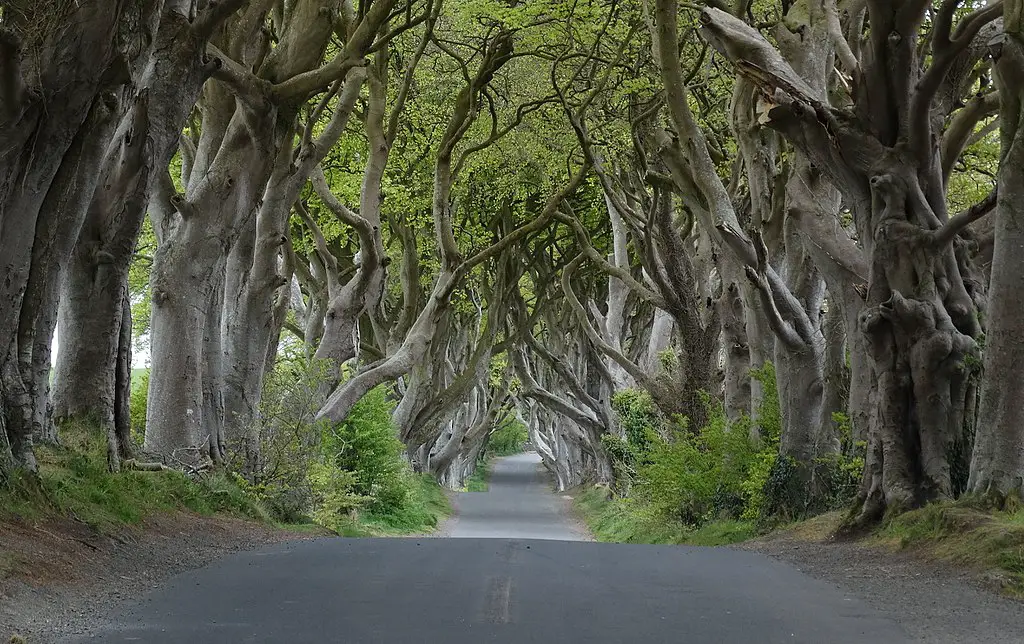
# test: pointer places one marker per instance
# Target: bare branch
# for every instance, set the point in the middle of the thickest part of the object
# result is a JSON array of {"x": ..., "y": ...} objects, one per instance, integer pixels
[
  {"x": 957, "y": 223},
  {"x": 944, "y": 53},
  {"x": 244, "y": 84},
  {"x": 961, "y": 129},
  {"x": 607, "y": 267}
]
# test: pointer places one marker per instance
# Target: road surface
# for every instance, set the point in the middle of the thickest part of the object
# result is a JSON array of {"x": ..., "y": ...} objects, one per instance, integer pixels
[
  {"x": 528, "y": 583},
  {"x": 518, "y": 505}
]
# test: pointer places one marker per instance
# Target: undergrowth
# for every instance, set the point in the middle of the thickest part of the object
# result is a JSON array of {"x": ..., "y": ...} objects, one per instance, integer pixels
[
  {"x": 479, "y": 481},
  {"x": 966, "y": 533},
  {"x": 508, "y": 439},
  {"x": 348, "y": 477},
  {"x": 626, "y": 520},
  {"x": 712, "y": 484},
  {"x": 74, "y": 481},
  {"x": 426, "y": 504}
]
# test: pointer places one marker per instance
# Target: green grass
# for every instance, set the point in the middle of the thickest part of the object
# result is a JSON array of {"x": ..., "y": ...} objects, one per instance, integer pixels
[
  {"x": 630, "y": 521},
  {"x": 74, "y": 482},
  {"x": 966, "y": 534},
  {"x": 424, "y": 508},
  {"x": 480, "y": 481}
]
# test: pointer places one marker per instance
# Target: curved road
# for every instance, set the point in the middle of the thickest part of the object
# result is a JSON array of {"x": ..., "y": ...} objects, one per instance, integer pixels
[{"x": 528, "y": 582}]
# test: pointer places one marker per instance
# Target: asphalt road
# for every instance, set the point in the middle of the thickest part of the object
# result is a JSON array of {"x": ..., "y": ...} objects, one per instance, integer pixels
[
  {"x": 529, "y": 584},
  {"x": 518, "y": 505}
]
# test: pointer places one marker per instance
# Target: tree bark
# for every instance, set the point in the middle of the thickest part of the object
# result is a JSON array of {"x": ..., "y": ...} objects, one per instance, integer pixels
[
  {"x": 997, "y": 464},
  {"x": 88, "y": 382},
  {"x": 919, "y": 318}
]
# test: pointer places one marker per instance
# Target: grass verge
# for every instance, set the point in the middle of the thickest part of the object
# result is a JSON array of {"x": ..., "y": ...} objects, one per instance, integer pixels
[
  {"x": 480, "y": 481},
  {"x": 423, "y": 510},
  {"x": 630, "y": 521},
  {"x": 74, "y": 482},
  {"x": 964, "y": 534}
]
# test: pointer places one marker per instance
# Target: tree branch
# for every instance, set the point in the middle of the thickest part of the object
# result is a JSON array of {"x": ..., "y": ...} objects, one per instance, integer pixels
[
  {"x": 944, "y": 54},
  {"x": 215, "y": 13},
  {"x": 957, "y": 223}
]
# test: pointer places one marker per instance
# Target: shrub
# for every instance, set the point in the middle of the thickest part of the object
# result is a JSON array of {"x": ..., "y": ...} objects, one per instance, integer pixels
[
  {"x": 366, "y": 445},
  {"x": 334, "y": 498},
  {"x": 288, "y": 439},
  {"x": 698, "y": 476},
  {"x": 642, "y": 426},
  {"x": 318, "y": 468},
  {"x": 715, "y": 473},
  {"x": 639, "y": 418}
]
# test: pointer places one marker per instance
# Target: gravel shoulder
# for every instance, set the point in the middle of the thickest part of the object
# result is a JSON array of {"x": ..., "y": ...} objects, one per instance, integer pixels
[
  {"x": 58, "y": 578},
  {"x": 933, "y": 602}
]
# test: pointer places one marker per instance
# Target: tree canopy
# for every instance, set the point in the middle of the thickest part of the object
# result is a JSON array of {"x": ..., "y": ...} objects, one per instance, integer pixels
[{"x": 624, "y": 225}]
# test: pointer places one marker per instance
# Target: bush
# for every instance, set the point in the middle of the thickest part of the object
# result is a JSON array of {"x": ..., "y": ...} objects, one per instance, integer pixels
[
  {"x": 350, "y": 476},
  {"x": 696, "y": 477},
  {"x": 334, "y": 499},
  {"x": 366, "y": 445},
  {"x": 288, "y": 439},
  {"x": 693, "y": 478},
  {"x": 642, "y": 426}
]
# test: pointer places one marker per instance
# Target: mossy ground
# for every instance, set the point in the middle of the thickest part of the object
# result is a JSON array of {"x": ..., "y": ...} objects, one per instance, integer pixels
[
  {"x": 964, "y": 533},
  {"x": 74, "y": 481}
]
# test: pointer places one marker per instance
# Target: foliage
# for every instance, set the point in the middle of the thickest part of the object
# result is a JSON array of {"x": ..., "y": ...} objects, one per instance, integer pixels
[
  {"x": 758, "y": 483},
  {"x": 697, "y": 477},
  {"x": 724, "y": 471},
  {"x": 626, "y": 520},
  {"x": 288, "y": 439},
  {"x": 426, "y": 504},
  {"x": 137, "y": 403},
  {"x": 508, "y": 439},
  {"x": 478, "y": 481},
  {"x": 366, "y": 445},
  {"x": 638, "y": 417},
  {"x": 641, "y": 424},
  {"x": 349, "y": 477},
  {"x": 333, "y": 494}
]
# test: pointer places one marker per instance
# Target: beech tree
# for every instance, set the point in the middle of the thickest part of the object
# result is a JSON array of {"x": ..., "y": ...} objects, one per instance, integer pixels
[
  {"x": 997, "y": 465},
  {"x": 919, "y": 318},
  {"x": 64, "y": 88},
  {"x": 525, "y": 211}
]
